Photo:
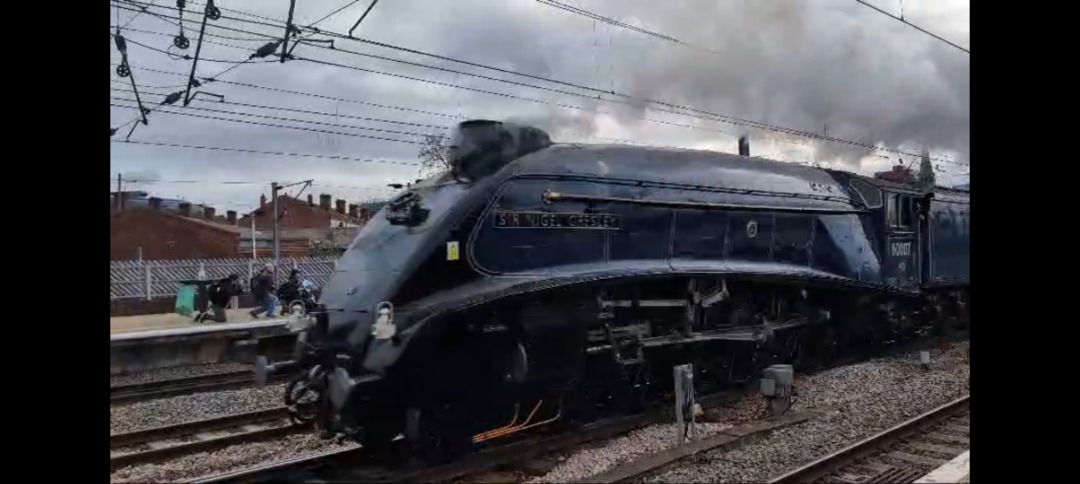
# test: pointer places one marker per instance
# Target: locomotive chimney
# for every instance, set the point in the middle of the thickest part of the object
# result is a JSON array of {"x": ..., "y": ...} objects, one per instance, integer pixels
[
  {"x": 230, "y": 215},
  {"x": 354, "y": 210},
  {"x": 209, "y": 212},
  {"x": 185, "y": 209},
  {"x": 324, "y": 201},
  {"x": 262, "y": 200},
  {"x": 340, "y": 206},
  {"x": 155, "y": 203},
  {"x": 744, "y": 145},
  {"x": 311, "y": 200}
]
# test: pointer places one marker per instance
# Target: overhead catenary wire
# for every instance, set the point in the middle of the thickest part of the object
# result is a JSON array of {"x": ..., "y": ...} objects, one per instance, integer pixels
[
  {"x": 219, "y": 36},
  {"x": 624, "y": 141},
  {"x": 271, "y": 125},
  {"x": 149, "y": 181},
  {"x": 292, "y": 120},
  {"x": 331, "y": 14},
  {"x": 521, "y": 74},
  {"x": 219, "y": 74},
  {"x": 443, "y": 69},
  {"x": 402, "y": 108},
  {"x": 668, "y": 107},
  {"x": 185, "y": 56},
  {"x": 321, "y": 113},
  {"x": 916, "y": 27},
  {"x": 309, "y": 94},
  {"x": 622, "y": 25},
  {"x": 235, "y": 64},
  {"x": 133, "y": 17},
  {"x": 263, "y": 152},
  {"x": 148, "y": 86},
  {"x": 336, "y": 114}
]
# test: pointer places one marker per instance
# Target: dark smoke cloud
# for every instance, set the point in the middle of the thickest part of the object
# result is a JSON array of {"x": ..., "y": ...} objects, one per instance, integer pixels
[{"x": 796, "y": 63}]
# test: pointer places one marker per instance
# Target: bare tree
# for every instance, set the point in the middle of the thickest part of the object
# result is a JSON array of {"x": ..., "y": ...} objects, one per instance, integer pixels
[{"x": 434, "y": 155}]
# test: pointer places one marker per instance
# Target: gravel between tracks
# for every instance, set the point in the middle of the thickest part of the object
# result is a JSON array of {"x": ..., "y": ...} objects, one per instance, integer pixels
[
  {"x": 195, "y": 406},
  {"x": 176, "y": 372},
  {"x": 863, "y": 399},
  {"x": 227, "y": 459}
]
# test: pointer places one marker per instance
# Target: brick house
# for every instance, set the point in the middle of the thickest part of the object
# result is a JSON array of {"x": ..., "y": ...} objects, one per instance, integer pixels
[
  {"x": 898, "y": 174},
  {"x": 149, "y": 230},
  {"x": 298, "y": 214}
]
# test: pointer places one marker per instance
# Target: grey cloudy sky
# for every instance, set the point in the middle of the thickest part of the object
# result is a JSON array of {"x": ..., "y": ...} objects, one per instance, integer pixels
[{"x": 802, "y": 64}]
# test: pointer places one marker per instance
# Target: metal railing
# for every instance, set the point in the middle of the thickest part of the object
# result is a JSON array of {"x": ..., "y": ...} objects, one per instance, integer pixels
[{"x": 155, "y": 279}]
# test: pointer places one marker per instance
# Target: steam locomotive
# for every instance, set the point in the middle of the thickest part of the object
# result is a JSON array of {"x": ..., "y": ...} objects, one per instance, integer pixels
[{"x": 541, "y": 285}]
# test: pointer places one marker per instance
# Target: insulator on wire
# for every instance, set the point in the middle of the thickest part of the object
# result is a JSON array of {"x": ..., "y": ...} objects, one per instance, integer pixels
[
  {"x": 121, "y": 44},
  {"x": 266, "y": 50},
  {"x": 172, "y": 98}
]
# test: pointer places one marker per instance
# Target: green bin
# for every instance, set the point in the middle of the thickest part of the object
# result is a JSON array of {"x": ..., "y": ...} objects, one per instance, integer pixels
[{"x": 185, "y": 300}]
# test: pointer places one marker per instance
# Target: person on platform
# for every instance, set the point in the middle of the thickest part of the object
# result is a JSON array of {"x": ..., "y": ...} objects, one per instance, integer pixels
[
  {"x": 290, "y": 289},
  {"x": 262, "y": 287},
  {"x": 221, "y": 294}
]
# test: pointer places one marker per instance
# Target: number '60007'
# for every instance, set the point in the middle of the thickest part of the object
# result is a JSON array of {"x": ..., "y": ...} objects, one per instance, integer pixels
[{"x": 901, "y": 249}]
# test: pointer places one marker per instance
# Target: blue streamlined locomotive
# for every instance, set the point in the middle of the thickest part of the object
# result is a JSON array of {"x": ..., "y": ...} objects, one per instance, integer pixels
[{"x": 548, "y": 284}]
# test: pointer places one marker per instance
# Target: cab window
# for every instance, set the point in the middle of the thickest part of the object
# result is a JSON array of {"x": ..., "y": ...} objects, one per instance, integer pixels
[{"x": 900, "y": 210}]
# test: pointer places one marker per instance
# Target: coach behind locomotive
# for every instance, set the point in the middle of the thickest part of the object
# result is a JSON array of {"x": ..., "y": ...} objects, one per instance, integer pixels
[{"x": 540, "y": 283}]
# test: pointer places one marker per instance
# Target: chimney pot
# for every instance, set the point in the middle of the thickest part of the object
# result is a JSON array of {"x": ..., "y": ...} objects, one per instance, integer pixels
[
  {"x": 354, "y": 210},
  {"x": 185, "y": 209},
  {"x": 155, "y": 203},
  {"x": 230, "y": 215},
  {"x": 262, "y": 200},
  {"x": 340, "y": 206},
  {"x": 311, "y": 200},
  {"x": 209, "y": 212},
  {"x": 324, "y": 201},
  {"x": 744, "y": 145}
]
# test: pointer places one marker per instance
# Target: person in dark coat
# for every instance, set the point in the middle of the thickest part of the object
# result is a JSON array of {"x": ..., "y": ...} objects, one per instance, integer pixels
[
  {"x": 290, "y": 289},
  {"x": 262, "y": 288},
  {"x": 221, "y": 294}
]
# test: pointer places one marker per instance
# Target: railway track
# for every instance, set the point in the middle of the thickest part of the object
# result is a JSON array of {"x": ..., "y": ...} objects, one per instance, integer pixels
[
  {"x": 901, "y": 454},
  {"x": 172, "y": 387},
  {"x": 350, "y": 464},
  {"x": 162, "y": 443}
]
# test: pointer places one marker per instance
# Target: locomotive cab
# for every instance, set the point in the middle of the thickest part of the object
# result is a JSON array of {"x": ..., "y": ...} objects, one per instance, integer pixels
[{"x": 903, "y": 231}]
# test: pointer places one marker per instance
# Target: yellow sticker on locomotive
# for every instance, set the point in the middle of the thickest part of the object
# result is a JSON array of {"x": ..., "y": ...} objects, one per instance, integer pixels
[{"x": 452, "y": 250}]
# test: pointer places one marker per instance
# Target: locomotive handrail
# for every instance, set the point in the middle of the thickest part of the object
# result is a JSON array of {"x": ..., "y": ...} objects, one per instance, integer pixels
[
  {"x": 551, "y": 197},
  {"x": 689, "y": 187}
]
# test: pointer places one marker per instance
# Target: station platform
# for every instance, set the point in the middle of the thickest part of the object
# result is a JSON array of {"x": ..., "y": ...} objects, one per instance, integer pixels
[
  {"x": 150, "y": 322},
  {"x": 164, "y": 341},
  {"x": 955, "y": 471}
]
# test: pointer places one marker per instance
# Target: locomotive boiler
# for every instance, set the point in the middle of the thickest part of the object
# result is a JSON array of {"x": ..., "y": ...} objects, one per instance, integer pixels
[{"x": 539, "y": 284}]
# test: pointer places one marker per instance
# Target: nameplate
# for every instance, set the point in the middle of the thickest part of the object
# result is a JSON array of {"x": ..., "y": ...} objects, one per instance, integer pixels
[{"x": 547, "y": 220}]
